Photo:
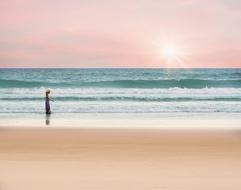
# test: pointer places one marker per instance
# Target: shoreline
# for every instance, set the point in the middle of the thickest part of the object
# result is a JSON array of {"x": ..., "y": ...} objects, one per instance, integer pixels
[{"x": 164, "y": 121}]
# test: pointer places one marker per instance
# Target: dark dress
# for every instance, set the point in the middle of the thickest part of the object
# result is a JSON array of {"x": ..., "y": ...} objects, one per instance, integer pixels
[{"x": 47, "y": 105}]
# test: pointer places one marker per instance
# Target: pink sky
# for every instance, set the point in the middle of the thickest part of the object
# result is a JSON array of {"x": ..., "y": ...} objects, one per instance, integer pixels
[{"x": 119, "y": 33}]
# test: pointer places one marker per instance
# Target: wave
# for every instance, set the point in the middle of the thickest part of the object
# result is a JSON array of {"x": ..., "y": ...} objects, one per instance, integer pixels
[
  {"x": 121, "y": 107},
  {"x": 166, "y": 83},
  {"x": 126, "y": 98},
  {"x": 25, "y": 84},
  {"x": 169, "y": 83}
]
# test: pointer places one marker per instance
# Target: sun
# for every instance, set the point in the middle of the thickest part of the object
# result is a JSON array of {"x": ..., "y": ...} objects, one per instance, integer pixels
[
  {"x": 173, "y": 54},
  {"x": 170, "y": 52}
]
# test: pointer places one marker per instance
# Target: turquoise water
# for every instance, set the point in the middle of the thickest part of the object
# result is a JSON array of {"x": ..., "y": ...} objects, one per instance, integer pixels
[{"x": 121, "y": 90}]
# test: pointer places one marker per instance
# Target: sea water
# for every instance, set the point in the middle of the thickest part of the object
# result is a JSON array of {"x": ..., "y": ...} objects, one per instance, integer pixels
[{"x": 121, "y": 90}]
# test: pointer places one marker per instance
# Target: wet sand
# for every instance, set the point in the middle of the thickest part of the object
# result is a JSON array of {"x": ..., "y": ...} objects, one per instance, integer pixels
[{"x": 136, "y": 159}]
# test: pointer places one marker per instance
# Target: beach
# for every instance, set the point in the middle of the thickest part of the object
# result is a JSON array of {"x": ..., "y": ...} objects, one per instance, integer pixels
[
  {"x": 132, "y": 157},
  {"x": 115, "y": 129}
]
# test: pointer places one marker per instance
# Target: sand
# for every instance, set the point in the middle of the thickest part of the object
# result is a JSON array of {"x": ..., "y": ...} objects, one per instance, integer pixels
[{"x": 117, "y": 159}]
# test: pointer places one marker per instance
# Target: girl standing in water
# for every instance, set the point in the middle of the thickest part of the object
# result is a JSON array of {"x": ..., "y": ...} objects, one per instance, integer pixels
[{"x": 47, "y": 104}]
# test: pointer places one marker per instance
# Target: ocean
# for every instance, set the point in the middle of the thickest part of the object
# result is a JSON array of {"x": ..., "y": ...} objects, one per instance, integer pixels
[{"x": 121, "y": 90}]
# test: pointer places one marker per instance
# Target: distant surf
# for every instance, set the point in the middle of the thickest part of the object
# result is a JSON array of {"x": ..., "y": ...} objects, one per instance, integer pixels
[{"x": 165, "y": 83}]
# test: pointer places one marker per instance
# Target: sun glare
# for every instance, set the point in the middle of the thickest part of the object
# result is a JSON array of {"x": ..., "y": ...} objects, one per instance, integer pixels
[
  {"x": 173, "y": 55},
  {"x": 170, "y": 52}
]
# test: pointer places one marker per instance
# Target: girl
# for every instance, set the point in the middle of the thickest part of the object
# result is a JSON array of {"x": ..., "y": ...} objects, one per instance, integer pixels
[{"x": 47, "y": 104}]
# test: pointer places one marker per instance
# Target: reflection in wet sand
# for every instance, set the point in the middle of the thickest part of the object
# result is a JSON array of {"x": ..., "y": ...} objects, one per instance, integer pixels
[{"x": 47, "y": 119}]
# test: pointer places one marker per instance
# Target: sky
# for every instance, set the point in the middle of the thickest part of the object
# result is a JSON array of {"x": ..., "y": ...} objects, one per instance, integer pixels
[{"x": 120, "y": 33}]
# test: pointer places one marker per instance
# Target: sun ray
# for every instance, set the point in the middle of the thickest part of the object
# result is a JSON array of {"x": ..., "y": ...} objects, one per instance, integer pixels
[{"x": 173, "y": 54}]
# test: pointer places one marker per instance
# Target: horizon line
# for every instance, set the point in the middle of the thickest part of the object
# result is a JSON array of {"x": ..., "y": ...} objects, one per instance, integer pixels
[{"x": 120, "y": 67}]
